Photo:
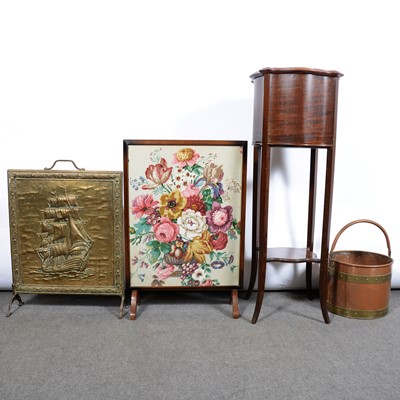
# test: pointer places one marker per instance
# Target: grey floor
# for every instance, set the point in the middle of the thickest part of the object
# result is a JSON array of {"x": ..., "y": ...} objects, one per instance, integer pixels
[{"x": 187, "y": 346}]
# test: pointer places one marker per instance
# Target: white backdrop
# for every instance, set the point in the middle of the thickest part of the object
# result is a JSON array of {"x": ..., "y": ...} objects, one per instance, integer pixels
[{"x": 78, "y": 77}]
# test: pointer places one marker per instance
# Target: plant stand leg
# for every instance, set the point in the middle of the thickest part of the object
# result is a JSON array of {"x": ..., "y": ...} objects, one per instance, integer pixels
[{"x": 255, "y": 248}]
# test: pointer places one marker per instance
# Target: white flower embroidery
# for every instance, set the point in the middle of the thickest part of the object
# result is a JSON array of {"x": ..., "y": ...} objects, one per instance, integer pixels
[
  {"x": 191, "y": 224},
  {"x": 198, "y": 275}
]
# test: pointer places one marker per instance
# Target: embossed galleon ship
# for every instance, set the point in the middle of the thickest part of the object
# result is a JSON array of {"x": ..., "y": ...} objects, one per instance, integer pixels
[{"x": 65, "y": 244}]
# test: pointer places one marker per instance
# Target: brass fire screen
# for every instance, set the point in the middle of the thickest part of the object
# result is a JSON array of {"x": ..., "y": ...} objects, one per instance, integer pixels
[{"x": 66, "y": 232}]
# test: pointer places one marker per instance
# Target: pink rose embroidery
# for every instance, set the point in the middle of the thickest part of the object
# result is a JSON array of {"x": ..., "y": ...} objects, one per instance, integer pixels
[{"x": 166, "y": 231}]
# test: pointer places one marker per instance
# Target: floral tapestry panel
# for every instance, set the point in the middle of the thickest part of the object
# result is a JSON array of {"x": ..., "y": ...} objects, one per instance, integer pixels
[{"x": 185, "y": 205}]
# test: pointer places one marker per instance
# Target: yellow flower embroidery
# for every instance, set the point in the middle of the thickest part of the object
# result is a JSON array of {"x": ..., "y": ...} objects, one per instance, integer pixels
[
  {"x": 172, "y": 204},
  {"x": 198, "y": 248},
  {"x": 186, "y": 156}
]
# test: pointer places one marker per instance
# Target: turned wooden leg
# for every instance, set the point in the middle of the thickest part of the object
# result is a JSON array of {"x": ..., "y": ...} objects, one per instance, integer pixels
[
  {"x": 134, "y": 303},
  {"x": 235, "y": 303}
]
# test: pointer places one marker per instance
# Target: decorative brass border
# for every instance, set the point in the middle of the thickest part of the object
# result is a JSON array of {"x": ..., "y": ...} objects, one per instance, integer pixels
[
  {"x": 359, "y": 314},
  {"x": 352, "y": 278}
]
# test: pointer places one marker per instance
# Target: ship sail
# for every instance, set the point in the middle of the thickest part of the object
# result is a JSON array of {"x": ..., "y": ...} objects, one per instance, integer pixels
[
  {"x": 63, "y": 200},
  {"x": 65, "y": 244}
]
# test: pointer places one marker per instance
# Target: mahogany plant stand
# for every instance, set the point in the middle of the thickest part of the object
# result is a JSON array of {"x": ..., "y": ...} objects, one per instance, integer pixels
[{"x": 293, "y": 107}]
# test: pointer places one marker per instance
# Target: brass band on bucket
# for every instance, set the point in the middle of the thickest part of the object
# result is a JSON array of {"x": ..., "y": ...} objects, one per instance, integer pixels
[
  {"x": 363, "y": 314},
  {"x": 351, "y": 278}
]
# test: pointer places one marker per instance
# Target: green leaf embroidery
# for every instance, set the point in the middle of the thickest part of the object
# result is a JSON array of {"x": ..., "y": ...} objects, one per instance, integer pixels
[
  {"x": 165, "y": 247},
  {"x": 142, "y": 226},
  {"x": 153, "y": 244},
  {"x": 153, "y": 255}
]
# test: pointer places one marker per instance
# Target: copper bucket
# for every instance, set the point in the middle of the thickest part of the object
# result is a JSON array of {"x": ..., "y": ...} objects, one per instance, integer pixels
[{"x": 359, "y": 282}]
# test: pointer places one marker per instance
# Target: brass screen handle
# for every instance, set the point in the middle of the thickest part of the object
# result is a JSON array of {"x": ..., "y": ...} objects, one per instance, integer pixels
[{"x": 55, "y": 162}]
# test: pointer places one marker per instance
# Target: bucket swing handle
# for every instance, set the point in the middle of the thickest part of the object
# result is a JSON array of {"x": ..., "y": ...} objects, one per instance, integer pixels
[{"x": 363, "y": 221}]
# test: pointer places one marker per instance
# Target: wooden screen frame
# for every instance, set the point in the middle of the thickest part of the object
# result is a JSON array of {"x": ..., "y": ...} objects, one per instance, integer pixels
[{"x": 215, "y": 144}]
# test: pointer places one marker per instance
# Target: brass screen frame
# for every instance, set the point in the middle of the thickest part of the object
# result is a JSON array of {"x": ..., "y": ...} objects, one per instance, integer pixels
[{"x": 110, "y": 183}]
